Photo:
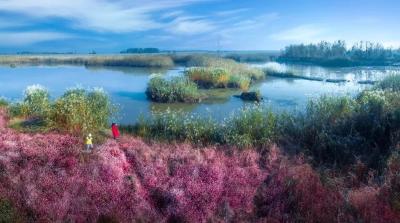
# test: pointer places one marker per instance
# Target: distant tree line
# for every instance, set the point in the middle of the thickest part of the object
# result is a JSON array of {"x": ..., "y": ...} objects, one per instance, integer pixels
[
  {"x": 141, "y": 50},
  {"x": 337, "y": 54}
]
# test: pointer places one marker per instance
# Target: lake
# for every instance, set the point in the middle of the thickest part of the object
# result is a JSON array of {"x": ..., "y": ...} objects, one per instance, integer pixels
[{"x": 126, "y": 87}]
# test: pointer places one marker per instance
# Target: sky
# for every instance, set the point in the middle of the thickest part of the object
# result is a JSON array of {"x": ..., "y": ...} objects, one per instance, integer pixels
[{"x": 108, "y": 26}]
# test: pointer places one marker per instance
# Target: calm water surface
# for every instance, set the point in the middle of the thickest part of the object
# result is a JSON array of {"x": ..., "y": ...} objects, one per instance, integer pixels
[{"x": 126, "y": 87}]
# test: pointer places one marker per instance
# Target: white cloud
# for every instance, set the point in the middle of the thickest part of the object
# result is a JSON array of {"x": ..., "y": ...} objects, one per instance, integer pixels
[
  {"x": 28, "y": 38},
  {"x": 190, "y": 26},
  {"x": 172, "y": 14},
  {"x": 302, "y": 33},
  {"x": 98, "y": 15},
  {"x": 231, "y": 12}
]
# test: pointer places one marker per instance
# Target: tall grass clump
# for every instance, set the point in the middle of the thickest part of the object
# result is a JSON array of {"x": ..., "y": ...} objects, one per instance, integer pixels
[
  {"x": 206, "y": 77},
  {"x": 86, "y": 60},
  {"x": 338, "y": 131},
  {"x": 3, "y": 102},
  {"x": 177, "y": 89},
  {"x": 177, "y": 126},
  {"x": 251, "y": 126},
  {"x": 215, "y": 72},
  {"x": 82, "y": 111},
  {"x": 36, "y": 102},
  {"x": 390, "y": 83},
  {"x": 231, "y": 66}
]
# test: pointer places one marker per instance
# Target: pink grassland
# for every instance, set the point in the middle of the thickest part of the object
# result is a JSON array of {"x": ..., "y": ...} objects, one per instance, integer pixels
[{"x": 48, "y": 178}]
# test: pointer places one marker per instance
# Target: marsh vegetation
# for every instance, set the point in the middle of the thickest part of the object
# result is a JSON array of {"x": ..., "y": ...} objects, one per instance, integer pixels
[
  {"x": 78, "y": 111},
  {"x": 337, "y": 54}
]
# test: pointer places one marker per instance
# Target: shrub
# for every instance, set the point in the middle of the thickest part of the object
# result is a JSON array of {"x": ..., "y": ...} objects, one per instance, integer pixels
[
  {"x": 8, "y": 213},
  {"x": 178, "y": 126},
  {"x": 251, "y": 126},
  {"x": 334, "y": 131},
  {"x": 209, "y": 77},
  {"x": 390, "y": 83},
  {"x": 81, "y": 111},
  {"x": 229, "y": 65},
  {"x": 177, "y": 89},
  {"x": 369, "y": 206},
  {"x": 3, "y": 102},
  {"x": 215, "y": 72},
  {"x": 36, "y": 102},
  {"x": 294, "y": 193}
]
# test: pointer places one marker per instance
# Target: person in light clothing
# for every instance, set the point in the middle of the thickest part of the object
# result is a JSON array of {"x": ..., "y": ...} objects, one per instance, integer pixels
[{"x": 89, "y": 142}]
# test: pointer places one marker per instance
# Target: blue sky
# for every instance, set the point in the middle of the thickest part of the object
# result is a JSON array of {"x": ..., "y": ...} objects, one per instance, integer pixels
[{"x": 114, "y": 25}]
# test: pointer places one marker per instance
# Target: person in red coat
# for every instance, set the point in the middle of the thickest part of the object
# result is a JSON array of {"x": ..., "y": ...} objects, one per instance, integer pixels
[{"x": 115, "y": 131}]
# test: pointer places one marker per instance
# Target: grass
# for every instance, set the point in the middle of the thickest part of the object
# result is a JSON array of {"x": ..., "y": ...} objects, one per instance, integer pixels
[
  {"x": 213, "y": 72},
  {"x": 288, "y": 74},
  {"x": 77, "y": 111},
  {"x": 252, "y": 126},
  {"x": 177, "y": 89},
  {"x": 332, "y": 131},
  {"x": 3, "y": 102},
  {"x": 206, "y": 77},
  {"x": 390, "y": 83},
  {"x": 80, "y": 111},
  {"x": 231, "y": 66},
  {"x": 89, "y": 60}
]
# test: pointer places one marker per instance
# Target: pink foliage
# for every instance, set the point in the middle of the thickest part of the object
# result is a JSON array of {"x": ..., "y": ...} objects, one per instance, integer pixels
[
  {"x": 294, "y": 192},
  {"x": 50, "y": 179},
  {"x": 370, "y": 206}
]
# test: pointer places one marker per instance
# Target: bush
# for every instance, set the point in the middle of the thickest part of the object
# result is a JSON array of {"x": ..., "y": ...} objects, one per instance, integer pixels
[
  {"x": 296, "y": 194},
  {"x": 80, "y": 111},
  {"x": 215, "y": 72},
  {"x": 229, "y": 65},
  {"x": 390, "y": 83},
  {"x": 3, "y": 102},
  {"x": 206, "y": 77},
  {"x": 8, "y": 213},
  {"x": 177, "y": 89},
  {"x": 251, "y": 126},
  {"x": 36, "y": 102},
  {"x": 178, "y": 126},
  {"x": 335, "y": 131}
]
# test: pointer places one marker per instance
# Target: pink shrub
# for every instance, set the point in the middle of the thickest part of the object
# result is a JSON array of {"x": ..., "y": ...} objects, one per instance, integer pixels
[
  {"x": 49, "y": 179},
  {"x": 370, "y": 207},
  {"x": 295, "y": 193}
]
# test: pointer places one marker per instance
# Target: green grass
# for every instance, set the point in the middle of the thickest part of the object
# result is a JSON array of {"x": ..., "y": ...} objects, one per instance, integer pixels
[
  {"x": 3, "y": 102},
  {"x": 77, "y": 111},
  {"x": 177, "y": 89},
  {"x": 231, "y": 66},
  {"x": 252, "y": 126},
  {"x": 390, "y": 83},
  {"x": 333, "y": 132},
  {"x": 214, "y": 72},
  {"x": 8, "y": 213},
  {"x": 289, "y": 74}
]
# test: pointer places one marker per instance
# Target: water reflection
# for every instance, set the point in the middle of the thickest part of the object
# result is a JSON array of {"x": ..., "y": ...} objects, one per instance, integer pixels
[{"x": 126, "y": 87}]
